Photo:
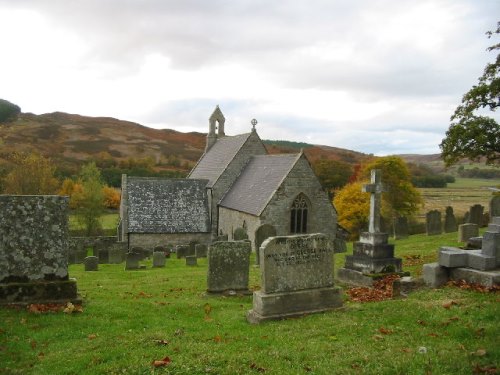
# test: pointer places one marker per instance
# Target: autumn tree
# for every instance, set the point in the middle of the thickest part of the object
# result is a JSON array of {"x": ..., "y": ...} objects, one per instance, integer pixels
[
  {"x": 332, "y": 174},
  {"x": 90, "y": 201},
  {"x": 8, "y": 111},
  {"x": 111, "y": 197},
  {"x": 32, "y": 174},
  {"x": 471, "y": 135},
  {"x": 353, "y": 208}
]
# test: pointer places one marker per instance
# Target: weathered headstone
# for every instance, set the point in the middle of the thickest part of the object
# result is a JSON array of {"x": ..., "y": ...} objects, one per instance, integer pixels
[
  {"x": 466, "y": 231},
  {"x": 34, "y": 250},
  {"x": 401, "y": 228},
  {"x": 192, "y": 248},
  {"x": 495, "y": 206},
  {"x": 433, "y": 223},
  {"x": 117, "y": 252},
  {"x": 201, "y": 250},
  {"x": 450, "y": 222},
  {"x": 139, "y": 252},
  {"x": 240, "y": 234},
  {"x": 132, "y": 260},
  {"x": 222, "y": 238},
  {"x": 181, "y": 251},
  {"x": 372, "y": 254},
  {"x": 159, "y": 259},
  {"x": 476, "y": 214},
  {"x": 158, "y": 248},
  {"x": 296, "y": 278},
  {"x": 191, "y": 260},
  {"x": 228, "y": 267},
  {"x": 261, "y": 234},
  {"x": 91, "y": 263}
]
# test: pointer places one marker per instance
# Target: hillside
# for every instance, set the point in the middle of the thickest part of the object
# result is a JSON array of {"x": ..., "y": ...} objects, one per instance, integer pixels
[{"x": 71, "y": 139}]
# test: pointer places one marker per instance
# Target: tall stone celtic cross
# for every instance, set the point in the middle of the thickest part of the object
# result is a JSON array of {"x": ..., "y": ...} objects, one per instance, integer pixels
[{"x": 375, "y": 188}]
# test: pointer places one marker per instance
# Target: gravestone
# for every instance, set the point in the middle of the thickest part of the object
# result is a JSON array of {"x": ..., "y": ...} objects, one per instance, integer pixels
[
  {"x": 228, "y": 267},
  {"x": 261, "y": 234},
  {"x": 79, "y": 253},
  {"x": 201, "y": 250},
  {"x": 191, "y": 260},
  {"x": 222, "y": 238},
  {"x": 117, "y": 252},
  {"x": 168, "y": 251},
  {"x": 158, "y": 249},
  {"x": 401, "y": 228},
  {"x": 495, "y": 206},
  {"x": 132, "y": 261},
  {"x": 181, "y": 251},
  {"x": 34, "y": 250},
  {"x": 466, "y": 231},
  {"x": 372, "y": 254},
  {"x": 433, "y": 225},
  {"x": 296, "y": 278},
  {"x": 159, "y": 259},
  {"x": 91, "y": 263},
  {"x": 476, "y": 214},
  {"x": 139, "y": 252},
  {"x": 191, "y": 251},
  {"x": 450, "y": 222},
  {"x": 240, "y": 234}
]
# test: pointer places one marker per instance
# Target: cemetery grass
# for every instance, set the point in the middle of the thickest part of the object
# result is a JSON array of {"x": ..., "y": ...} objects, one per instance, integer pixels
[{"x": 133, "y": 318}]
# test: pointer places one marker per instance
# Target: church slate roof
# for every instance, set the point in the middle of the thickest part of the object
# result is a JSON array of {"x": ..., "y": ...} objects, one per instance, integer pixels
[
  {"x": 215, "y": 161},
  {"x": 258, "y": 182},
  {"x": 158, "y": 205}
]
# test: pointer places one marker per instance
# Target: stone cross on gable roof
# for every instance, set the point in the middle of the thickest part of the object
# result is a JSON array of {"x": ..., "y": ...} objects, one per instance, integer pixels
[{"x": 375, "y": 188}]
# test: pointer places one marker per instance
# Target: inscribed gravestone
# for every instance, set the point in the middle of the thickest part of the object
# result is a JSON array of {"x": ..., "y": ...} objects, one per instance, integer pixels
[
  {"x": 228, "y": 266},
  {"x": 132, "y": 260},
  {"x": 296, "y": 278},
  {"x": 159, "y": 259},
  {"x": 261, "y": 234},
  {"x": 400, "y": 228},
  {"x": 433, "y": 223},
  {"x": 91, "y": 263},
  {"x": 34, "y": 250},
  {"x": 450, "y": 222},
  {"x": 476, "y": 214},
  {"x": 466, "y": 231}
]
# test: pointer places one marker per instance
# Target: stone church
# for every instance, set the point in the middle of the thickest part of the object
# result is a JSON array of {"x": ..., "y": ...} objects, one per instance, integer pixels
[{"x": 236, "y": 185}]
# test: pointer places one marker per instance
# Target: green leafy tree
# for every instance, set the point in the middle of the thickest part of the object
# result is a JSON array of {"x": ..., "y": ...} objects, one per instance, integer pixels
[
  {"x": 90, "y": 200},
  {"x": 471, "y": 135},
  {"x": 32, "y": 174},
  {"x": 8, "y": 111},
  {"x": 332, "y": 174}
]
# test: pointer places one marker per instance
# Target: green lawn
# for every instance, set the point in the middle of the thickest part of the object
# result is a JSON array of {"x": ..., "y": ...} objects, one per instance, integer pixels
[{"x": 132, "y": 318}]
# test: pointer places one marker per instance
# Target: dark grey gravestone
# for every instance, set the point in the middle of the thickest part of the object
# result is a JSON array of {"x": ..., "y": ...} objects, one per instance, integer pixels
[
  {"x": 159, "y": 259},
  {"x": 261, "y": 234},
  {"x": 34, "y": 250},
  {"x": 181, "y": 251},
  {"x": 91, "y": 263},
  {"x": 140, "y": 252},
  {"x": 132, "y": 261},
  {"x": 433, "y": 223},
  {"x": 466, "y": 231},
  {"x": 296, "y": 278},
  {"x": 495, "y": 206},
  {"x": 476, "y": 214},
  {"x": 192, "y": 248},
  {"x": 228, "y": 267},
  {"x": 168, "y": 252},
  {"x": 191, "y": 260},
  {"x": 400, "y": 228},
  {"x": 117, "y": 252},
  {"x": 158, "y": 248},
  {"x": 201, "y": 250},
  {"x": 240, "y": 234},
  {"x": 450, "y": 222}
]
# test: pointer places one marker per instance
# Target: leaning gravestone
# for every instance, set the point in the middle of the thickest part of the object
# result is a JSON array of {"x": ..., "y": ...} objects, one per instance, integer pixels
[
  {"x": 467, "y": 231},
  {"x": 401, "y": 228},
  {"x": 159, "y": 259},
  {"x": 495, "y": 206},
  {"x": 476, "y": 214},
  {"x": 34, "y": 250},
  {"x": 181, "y": 251},
  {"x": 228, "y": 267},
  {"x": 433, "y": 224},
  {"x": 91, "y": 263},
  {"x": 450, "y": 222},
  {"x": 296, "y": 278},
  {"x": 201, "y": 250}
]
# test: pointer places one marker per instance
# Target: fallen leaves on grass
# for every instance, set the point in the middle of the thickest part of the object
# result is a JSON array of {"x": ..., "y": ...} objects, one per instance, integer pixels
[
  {"x": 40, "y": 308},
  {"x": 162, "y": 362},
  {"x": 462, "y": 284},
  {"x": 382, "y": 290},
  {"x": 217, "y": 339},
  {"x": 484, "y": 369},
  {"x": 70, "y": 308},
  {"x": 479, "y": 353},
  {"x": 385, "y": 331},
  {"x": 448, "y": 304},
  {"x": 253, "y": 366},
  {"x": 161, "y": 342},
  {"x": 143, "y": 295}
]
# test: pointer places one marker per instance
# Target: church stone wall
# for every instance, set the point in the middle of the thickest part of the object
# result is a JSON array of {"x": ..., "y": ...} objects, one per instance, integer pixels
[
  {"x": 230, "y": 220},
  {"x": 150, "y": 240},
  {"x": 322, "y": 217},
  {"x": 253, "y": 146}
]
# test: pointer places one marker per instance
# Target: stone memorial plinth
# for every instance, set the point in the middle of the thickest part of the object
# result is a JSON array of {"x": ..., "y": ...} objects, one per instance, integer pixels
[
  {"x": 91, "y": 263},
  {"x": 159, "y": 259},
  {"x": 34, "y": 250},
  {"x": 296, "y": 278},
  {"x": 372, "y": 254},
  {"x": 228, "y": 267},
  {"x": 475, "y": 266},
  {"x": 467, "y": 231}
]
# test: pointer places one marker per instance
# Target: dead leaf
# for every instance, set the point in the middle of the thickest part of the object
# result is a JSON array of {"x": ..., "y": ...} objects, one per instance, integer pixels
[
  {"x": 460, "y": 346},
  {"x": 447, "y": 305},
  {"x": 33, "y": 344},
  {"x": 179, "y": 332},
  {"x": 479, "y": 353},
  {"x": 162, "y": 362},
  {"x": 421, "y": 322},
  {"x": 385, "y": 331},
  {"x": 479, "y": 332},
  {"x": 377, "y": 337},
  {"x": 161, "y": 342},
  {"x": 406, "y": 350},
  {"x": 253, "y": 366},
  {"x": 41, "y": 355},
  {"x": 92, "y": 336},
  {"x": 484, "y": 369},
  {"x": 217, "y": 339},
  {"x": 208, "y": 309}
]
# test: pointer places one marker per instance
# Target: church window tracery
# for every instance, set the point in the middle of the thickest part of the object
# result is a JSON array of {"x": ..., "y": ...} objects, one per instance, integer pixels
[{"x": 298, "y": 215}]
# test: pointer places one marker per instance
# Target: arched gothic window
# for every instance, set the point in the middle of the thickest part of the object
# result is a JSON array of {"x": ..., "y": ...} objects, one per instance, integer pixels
[{"x": 298, "y": 215}]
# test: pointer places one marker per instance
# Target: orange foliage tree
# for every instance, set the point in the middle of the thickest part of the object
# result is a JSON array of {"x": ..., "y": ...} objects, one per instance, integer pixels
[{"x": 111, "y": 197}]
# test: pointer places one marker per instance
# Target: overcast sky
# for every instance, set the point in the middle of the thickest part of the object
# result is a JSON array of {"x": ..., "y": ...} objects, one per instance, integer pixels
[{"x": 376, "y": 76}]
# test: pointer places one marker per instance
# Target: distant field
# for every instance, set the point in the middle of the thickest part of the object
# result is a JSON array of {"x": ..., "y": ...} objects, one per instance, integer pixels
[
  {"x": 109, "y": 221},
  {"x": 462, "y": 194}
]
